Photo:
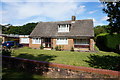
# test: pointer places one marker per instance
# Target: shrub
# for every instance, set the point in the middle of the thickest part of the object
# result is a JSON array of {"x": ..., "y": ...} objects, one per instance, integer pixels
[
  {"x": 15, "y": 46},
  {"x": 72, "y": 49},
  {"x": 59, "y": 48},
  {"x": 6, "y": 52},
  {"x": 51, "y": 47},
  {"x": 56, "y": 48},
  {"x": 62, "y": 47},
  {"x": 41, "y": 47},
  {"x": 108, "y": 42},
  {"x": 101, "y": 42},
  {"x": 7, "y": 47}
]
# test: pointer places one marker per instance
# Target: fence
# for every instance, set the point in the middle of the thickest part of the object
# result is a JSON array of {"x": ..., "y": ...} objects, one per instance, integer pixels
[{"x": 40, "y": 66}]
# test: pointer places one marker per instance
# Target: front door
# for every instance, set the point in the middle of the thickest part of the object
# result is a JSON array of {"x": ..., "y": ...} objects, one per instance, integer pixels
[{"x": 47, "y": 42}]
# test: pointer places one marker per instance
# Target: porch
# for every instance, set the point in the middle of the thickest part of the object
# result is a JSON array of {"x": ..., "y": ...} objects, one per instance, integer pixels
[{"x": 46, "y": 43}]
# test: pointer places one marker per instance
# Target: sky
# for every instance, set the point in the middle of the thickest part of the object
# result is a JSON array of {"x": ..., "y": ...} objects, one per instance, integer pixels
[{"x": 21, "y": 12}]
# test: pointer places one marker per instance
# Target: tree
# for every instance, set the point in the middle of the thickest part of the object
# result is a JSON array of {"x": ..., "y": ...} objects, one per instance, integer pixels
[
  {"x": 4, "y": 30},
  {"x": 27, "y": 28},
  {"x": 101, "y": 29},
  {"x": 112, "y": 9},
  {"x": 13, "y": 30},
  {"x": 21, "y": 30}
]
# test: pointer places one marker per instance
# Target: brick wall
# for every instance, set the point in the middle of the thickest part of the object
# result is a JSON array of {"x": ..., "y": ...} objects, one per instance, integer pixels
[
  {"x": 91, "y": 44},
  {"x": 33, "y": 45},
  {"x": 65, "y": 47}
]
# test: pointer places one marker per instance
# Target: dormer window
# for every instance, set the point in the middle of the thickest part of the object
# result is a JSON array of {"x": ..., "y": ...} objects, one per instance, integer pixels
[{"x": 63, "y": 27}]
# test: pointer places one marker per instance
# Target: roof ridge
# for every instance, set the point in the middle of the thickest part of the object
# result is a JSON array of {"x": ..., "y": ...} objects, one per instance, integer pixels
[{"x": 65, "y": 21}]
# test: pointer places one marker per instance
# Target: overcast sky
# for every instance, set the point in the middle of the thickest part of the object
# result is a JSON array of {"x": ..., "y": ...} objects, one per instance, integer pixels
[{"x": 27, "y": 11}]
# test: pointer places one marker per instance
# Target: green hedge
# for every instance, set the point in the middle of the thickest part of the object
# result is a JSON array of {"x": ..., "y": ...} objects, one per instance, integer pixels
[{"x": 108, "y": 42}]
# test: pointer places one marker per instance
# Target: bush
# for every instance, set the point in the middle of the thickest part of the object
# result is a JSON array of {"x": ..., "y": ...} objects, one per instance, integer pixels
[
  {"x": 101, "y": 42},
  {"x": 59, "y": 48},
  {"x": 72, "y": 49},
  {"x": 6, "y": 52},
  {"x": 56, "y": 48},
  {"x": 41, "y": 47},
  {"x": 107, "y": 42},
  {"x": 62, "y": 47},
  {"x": 15, "y": 46}
]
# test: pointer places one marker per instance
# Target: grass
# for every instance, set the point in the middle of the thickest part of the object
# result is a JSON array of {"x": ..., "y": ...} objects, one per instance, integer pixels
[
  {"x": 62, "y": 57},
  {"x": 104, "y": 60},
  {"x": 12, "y": 74}
]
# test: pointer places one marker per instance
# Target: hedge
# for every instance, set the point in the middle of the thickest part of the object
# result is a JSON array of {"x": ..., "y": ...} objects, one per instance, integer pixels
[{"x": 108, "y": 42}]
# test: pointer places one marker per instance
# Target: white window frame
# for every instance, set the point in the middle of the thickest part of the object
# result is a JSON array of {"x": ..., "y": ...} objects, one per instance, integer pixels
[
  {"x": 24, "y": 40},
  {"x": 62, "y": 41},
  {"x": 36, "y": 41},
  {"x": 80, "y": 42},
  {"x": 63, "y": 28}
]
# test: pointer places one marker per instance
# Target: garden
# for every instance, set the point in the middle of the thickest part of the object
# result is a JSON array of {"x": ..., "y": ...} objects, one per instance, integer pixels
[{"x": 100, "y": 59}]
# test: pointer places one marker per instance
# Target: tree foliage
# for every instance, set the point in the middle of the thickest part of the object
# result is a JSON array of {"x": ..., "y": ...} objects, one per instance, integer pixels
[
  {"x": 107, "y": 42},
  {"x": 13, "y": 30},
  {"x": 112, "y": 9},
  {"x": 101, "y": 29},
  {"x": 4, "y": 29},
  {"x": 21, "y": 30}
]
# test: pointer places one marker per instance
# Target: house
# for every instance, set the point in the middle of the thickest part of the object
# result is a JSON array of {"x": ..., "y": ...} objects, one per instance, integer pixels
[
  {"x": 72, "y": 33},
  {"x": 9, "y": 37},
  {"x": 24, "y": 40}
]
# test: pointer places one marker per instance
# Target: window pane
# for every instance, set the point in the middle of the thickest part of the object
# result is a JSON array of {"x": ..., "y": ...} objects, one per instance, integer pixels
[
  {"x": 62, "y": 41},
  {"x": 81, "y": 42},
  {"x": 63, "y": 28},
  {"x": 36, "y": 41},
  {"x": 24, "y": 40}
]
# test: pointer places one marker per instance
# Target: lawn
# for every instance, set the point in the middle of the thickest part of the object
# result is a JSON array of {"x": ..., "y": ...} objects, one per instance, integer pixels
[{"x": 86, "y": 59}]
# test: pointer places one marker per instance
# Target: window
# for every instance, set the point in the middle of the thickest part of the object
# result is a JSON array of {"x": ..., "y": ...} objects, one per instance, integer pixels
[
  {"x": 81, "y": 42},
  {"x": 24, "y": 40},
  {"x": 62, "y": 41},
  {"x": 36, "y": 41},
  {"x": 63, "y": 28}
]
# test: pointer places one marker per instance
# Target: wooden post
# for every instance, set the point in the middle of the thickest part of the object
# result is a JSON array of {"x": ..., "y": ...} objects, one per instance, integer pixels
[{"x": 3, "y": 39}]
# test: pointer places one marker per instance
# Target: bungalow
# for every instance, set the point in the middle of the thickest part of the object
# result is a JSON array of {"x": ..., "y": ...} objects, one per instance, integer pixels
[
  {"x": 22, "y": 39},
  {"x": 74, "y": 33}
]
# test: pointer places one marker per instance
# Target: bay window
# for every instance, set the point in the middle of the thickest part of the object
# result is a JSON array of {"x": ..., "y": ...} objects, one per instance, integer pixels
[{"x": 36, "y": 41}]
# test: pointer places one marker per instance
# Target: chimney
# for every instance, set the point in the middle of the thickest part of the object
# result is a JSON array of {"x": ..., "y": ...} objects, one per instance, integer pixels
[{"x": 73, "y": 18}]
